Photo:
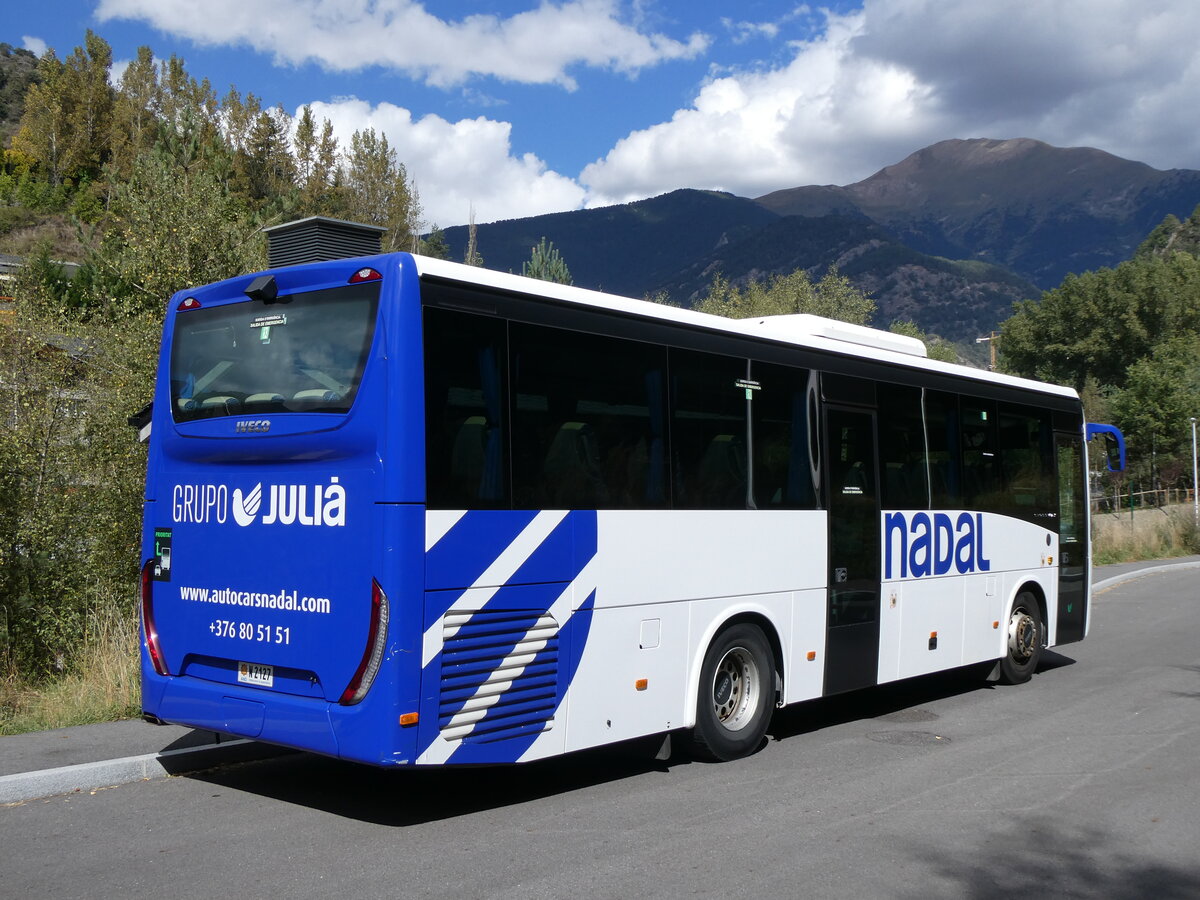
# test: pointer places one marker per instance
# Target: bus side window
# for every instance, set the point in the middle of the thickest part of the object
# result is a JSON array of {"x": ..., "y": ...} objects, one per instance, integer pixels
[
  {"x": 1027, "y": 461},
  {"x": 902, "y": 457},
  {"x": 465, "y": 443},
  {"x": 709, "y": 463},
  {"x": 588, "y": 421},
  {"x": 783, "y": 471},
  {"x": 980, "y": 457},
  {"x": 942, "y": 442}
]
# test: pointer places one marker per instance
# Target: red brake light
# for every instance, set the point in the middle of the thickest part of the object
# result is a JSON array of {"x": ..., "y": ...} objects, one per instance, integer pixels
[
  {"x": 152, "y": 644},
  {"x": 364, "y": 676},
  {"x": 364, "y": 275},
  {"x": 189, "y": 303}
]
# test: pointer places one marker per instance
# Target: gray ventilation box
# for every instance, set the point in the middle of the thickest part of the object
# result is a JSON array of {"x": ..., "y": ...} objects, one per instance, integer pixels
[{"x": 317, "y": 238}]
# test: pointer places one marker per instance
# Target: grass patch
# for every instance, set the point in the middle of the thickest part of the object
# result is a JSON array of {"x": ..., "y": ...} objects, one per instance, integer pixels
[
  {"x": 1149, "y": 534},
  {"x": 100, "y": 683}
]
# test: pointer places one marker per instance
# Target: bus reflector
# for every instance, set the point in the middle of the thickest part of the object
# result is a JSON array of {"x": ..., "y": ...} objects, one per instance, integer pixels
[
  {"x": 152, "y": 644},
  {"x": 364, "y": 275},
  {"x": 373, "y": 654},
  {"x": 641, "y": 684},
  {"x": 189, "y": 303},
  {"x": 407, "y": 719},
  {"x": 812, "y": 654}
]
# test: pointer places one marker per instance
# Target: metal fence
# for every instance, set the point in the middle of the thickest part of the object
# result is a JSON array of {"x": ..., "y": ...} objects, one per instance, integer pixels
[{"x": 1113, "y": 501}]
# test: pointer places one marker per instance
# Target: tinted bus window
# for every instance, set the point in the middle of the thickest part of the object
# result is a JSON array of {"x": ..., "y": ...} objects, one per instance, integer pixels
[
  {"x": 903, "y": 473},
  {"x": 784, "y": 472},
  {"x": 303, "y": 353},
  {"x": 1027, "y": 460},
  {"x": 588, "y": 421},
  {"x": 980, "y": 456},
  {"x": 466, "y": 445},
  {"x": 709, "y": 456},
  {"x": 942, "y": 436}
]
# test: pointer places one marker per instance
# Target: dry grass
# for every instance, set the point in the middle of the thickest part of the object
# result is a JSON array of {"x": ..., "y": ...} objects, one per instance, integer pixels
[
  {"x": 101, "y": 683},
  {"x": 57, "y": 229},
  {"x": 1149, "y": 534}
]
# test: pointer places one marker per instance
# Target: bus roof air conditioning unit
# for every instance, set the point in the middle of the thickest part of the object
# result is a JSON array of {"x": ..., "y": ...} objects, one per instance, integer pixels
[
  {"x": 318, "y": 238},
  {"x": 802, "y": 327}
]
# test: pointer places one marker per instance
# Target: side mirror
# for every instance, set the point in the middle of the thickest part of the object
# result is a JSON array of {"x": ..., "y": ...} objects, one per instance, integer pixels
[{"x": 1114, "y": 444}]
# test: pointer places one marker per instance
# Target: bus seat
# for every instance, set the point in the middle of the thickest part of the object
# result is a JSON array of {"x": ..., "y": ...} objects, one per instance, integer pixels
[
  {"x": 467, "y": 454},
  {"x": 319, "y": 395},
  {"x": 264, "y": 398},
  {"x": 572, "y": 467},
  {"x": 222, "y": 401},
  {"x": 898, "y": 489},
  {"x": 721, "y": 475}
]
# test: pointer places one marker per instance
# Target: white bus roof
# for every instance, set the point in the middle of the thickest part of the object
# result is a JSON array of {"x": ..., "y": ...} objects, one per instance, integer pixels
[{"x": 810, "y": 332}]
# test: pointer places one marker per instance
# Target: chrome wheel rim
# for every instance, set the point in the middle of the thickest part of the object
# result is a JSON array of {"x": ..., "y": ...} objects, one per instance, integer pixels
[
  {"x": 1022, "y": 635},
  {"x": 735, "y": 689}
]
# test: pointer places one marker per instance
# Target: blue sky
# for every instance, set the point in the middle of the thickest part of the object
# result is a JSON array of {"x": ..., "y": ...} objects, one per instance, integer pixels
[{"x": 515, "y": 107}]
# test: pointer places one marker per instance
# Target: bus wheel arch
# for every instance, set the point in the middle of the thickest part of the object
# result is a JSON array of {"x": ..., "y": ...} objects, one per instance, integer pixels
[
  {"x": 738, "y": 684},
  {"x": 1025, "y": 635}
]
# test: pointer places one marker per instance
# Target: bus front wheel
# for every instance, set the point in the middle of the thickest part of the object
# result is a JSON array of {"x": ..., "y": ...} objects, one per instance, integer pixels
[
  {"x": 734, "y": 703},
  {"x": 1026, "y": 633}
]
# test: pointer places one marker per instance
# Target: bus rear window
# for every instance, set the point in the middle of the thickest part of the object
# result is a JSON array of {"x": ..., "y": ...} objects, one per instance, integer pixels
[{"x": 303, "y": 353}]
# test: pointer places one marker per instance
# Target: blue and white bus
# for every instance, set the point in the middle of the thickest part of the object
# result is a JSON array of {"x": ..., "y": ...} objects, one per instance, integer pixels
[{"x": 409, "y": 512}]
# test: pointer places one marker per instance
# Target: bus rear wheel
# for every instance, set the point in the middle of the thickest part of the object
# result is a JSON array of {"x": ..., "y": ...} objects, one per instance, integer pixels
[
  {"x": 1026, "y": 633},
  {"x": 733, "y": 707}
]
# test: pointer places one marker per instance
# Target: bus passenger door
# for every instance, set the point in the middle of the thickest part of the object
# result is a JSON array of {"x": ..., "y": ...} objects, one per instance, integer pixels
[
  {"x": 1072, "y": 543},
  {"x": 852, "y": 626}
]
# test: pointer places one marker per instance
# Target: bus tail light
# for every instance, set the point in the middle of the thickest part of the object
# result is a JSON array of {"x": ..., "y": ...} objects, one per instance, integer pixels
[
  {"x": 152, "y": 643},
  {"x": 365, "y": 275},
  {"x": 364, "y": 676}
]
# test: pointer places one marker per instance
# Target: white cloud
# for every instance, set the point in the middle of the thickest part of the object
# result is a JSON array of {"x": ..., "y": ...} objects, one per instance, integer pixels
[
  {"x": 34, "y": 45},
  {"x": 898, "y": 75},
  {"x": 458, "y": 165},
  {"x": 746, "y": 31},
  {"x": 538, "y": 46}
]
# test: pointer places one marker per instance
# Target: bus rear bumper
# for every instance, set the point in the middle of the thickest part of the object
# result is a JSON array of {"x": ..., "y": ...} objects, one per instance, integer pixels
[{"x": 300, "y": 722}]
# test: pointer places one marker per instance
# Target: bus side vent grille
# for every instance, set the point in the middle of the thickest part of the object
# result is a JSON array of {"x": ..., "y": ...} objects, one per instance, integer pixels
[{"x": 499, "y": 674}]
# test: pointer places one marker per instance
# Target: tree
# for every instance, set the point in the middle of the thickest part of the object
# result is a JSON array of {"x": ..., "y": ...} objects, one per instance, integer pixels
[
  {"x": 1100, "y": 323},
  {"x": 546, "y": 264},
  {"x": 43, "y": 132},
  {"x": 471, "y": 257},
  {"x": 833, "y": 297},
  {"x": 1161, "y": 393},
  {"x": 316, "y": 162},
  {"x": 268, "y": 166},
  {"x": 435, "y": 244},
  {"x": 170, "y": 228},
  {"x": 135, "y": 112},
  {"x": 70, "y": 475},
  {"x": 89, "y": 99},
  {"x": 65, "y": 126},
  {"x": 375, "y": 190}
]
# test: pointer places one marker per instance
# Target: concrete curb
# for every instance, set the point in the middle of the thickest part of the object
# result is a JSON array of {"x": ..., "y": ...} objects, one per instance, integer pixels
[
  {"x": 1138, "y": 573},
  {"x": 23, "y": 786}
]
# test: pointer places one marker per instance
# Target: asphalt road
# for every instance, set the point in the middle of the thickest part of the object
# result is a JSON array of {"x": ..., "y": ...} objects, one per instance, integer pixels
[{"x": 1083, "y": 783}]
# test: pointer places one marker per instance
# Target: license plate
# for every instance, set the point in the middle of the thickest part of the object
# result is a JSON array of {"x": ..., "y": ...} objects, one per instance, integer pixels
[{"x": 253, "y": 673}]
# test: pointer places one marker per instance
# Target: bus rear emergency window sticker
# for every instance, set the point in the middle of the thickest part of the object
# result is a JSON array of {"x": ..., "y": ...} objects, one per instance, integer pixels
[{"x": 162, "y": 554}]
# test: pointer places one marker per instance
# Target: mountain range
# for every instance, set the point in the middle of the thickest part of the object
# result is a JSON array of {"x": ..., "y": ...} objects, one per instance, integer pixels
[{"x": 948, "y": 238}]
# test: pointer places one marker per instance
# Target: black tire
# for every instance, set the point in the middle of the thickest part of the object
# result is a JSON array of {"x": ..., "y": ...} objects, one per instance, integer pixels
[
  {"x": 737, "y": 693},
  {"x": 1026, "y": 635}
]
